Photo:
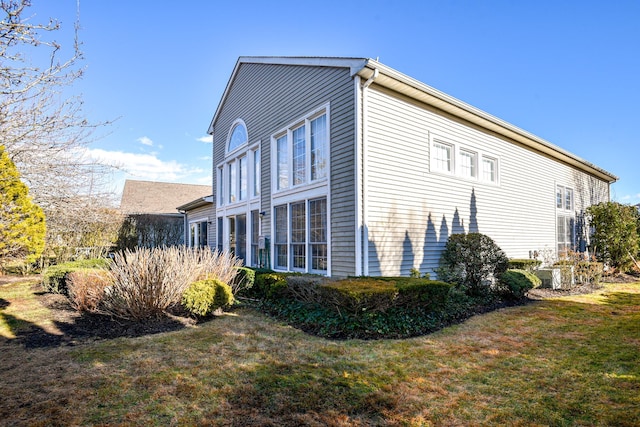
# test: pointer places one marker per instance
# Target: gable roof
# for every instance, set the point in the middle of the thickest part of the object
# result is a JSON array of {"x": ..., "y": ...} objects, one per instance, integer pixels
[
  {"x": 149, "y": 197},
  {"x": 385, "y": 76}
]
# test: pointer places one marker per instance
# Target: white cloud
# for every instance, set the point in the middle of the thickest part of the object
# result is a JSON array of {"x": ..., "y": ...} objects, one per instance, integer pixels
[
  {"x": 146, "y": 166},
  {"x": 206, "y": 139},
  {"x": 145, "y": 140}
]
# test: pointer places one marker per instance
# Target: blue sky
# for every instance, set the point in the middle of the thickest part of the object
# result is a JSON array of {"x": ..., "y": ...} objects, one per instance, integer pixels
[{"x": 566, "y": 71}]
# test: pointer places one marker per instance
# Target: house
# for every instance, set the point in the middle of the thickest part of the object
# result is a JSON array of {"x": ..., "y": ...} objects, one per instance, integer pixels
[
  {"x": 344, "y": 166},
  {"x": 198, "y": 216},
  {"x": 151, "y": 216}
]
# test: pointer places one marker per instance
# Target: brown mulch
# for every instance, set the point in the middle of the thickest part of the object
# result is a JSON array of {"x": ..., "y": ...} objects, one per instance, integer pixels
[{"x": 79, "y": 327}]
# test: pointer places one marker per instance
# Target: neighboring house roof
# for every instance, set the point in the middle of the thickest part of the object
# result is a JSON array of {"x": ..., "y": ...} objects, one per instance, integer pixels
[
  {"x": 388, "y": 77},
  {"x": 148, "y": 197},
  {"x": 199, "y": 202}
]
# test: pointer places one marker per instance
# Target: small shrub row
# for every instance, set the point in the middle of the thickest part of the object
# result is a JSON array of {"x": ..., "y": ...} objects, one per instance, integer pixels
[
  {"x": 55, "y": 277},
  {"x": 524, "y": 264}
]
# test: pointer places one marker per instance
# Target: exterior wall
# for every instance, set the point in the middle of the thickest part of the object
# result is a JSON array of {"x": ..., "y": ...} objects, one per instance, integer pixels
[
  {"x": 270, "y": 97},
  {"x": 412, "y": 211},
  {"x": 202, "y": 213}
]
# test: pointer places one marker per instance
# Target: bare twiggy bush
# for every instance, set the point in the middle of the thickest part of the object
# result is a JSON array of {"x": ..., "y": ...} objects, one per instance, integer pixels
[
  {"x": 149, "y": 281},
  {"x": 218, "y": 265},
  {"x": 87, "y": 288}
]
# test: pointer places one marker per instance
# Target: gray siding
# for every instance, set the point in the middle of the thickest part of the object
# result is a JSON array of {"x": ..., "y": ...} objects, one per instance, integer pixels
[
  {"x": 412, "y": 211},
  {"x": 270, "y": 97}
]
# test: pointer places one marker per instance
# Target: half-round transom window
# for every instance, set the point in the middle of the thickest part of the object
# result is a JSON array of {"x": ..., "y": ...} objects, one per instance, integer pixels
[{"x": 238, "y": 136}]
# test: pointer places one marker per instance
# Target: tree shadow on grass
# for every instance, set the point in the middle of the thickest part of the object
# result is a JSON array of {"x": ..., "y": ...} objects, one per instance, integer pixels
[{"x": 72, "y": 327}]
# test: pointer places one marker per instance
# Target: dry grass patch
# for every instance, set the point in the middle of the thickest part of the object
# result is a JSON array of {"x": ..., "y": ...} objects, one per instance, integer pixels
[{"x": 566, "y": 361}]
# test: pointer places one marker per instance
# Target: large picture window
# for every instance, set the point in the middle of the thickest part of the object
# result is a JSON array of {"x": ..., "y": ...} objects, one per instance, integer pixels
[
  {"x": 301, "y": 152},
  {"x": 301, "y": 236}
]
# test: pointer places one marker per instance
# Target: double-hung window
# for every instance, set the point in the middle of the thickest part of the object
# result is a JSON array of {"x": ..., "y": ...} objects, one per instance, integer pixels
[
  {"x": 468, "y": 164},
  {"x": 301, "y": 152},
  {"x": 442, "y": 158}
]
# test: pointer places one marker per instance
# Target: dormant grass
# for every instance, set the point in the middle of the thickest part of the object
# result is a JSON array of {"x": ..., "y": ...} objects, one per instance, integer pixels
[{"x": 564, "y": 361}]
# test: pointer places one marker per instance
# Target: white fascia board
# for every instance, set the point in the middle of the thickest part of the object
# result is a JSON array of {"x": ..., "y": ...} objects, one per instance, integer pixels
[{"x": 408, "y": 86}]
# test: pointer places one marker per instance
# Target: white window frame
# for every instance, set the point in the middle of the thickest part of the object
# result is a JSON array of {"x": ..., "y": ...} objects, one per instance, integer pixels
[
  {"x": 439, "y": 145},
  {"x": 308, "y": 244},
  {"x": 473, "y": 166},
  {"x": 565, "y": 214},
  {"x": 457, "y": 168},
  {"x": 287, "y": 132}
]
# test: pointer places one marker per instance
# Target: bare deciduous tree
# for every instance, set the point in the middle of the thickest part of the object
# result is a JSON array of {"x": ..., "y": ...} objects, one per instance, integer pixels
[{"x": 44, "y": 129}]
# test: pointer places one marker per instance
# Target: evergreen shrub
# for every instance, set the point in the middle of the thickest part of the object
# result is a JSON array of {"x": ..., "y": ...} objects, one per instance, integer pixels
[
  {"x": 515, "y": 284},
  {"x": 204, "y": 297}
]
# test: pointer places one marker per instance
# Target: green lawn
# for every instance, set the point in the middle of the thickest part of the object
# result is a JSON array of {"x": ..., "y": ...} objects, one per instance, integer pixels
[{"x": 565, "y": 361}]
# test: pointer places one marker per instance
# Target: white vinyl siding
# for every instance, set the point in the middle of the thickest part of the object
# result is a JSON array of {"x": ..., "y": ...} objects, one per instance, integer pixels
[{"x": 510, "y": 200}]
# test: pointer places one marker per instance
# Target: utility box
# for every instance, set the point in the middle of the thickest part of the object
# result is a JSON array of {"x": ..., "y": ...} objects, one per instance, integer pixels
[{"x": 551, "y": 277}]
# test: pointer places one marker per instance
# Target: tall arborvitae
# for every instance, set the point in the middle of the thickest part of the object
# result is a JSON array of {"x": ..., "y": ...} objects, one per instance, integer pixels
[{"x": 22, "y": 222}]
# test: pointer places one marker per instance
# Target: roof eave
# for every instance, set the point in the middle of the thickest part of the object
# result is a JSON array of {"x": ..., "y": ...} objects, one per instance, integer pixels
[
  {"x": 202, "y": 201},
  {"x": 408, "y": 86}
]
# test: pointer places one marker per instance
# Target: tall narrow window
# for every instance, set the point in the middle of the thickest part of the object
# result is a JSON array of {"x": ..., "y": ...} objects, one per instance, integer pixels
[
  {"x": 298, "y": 235},
  {"x": 318, "y": 234},
  {"x": 281, "y": 238},
  {"x": 283, "y": 163},
  {"x": 242, "y": 177},
  {"x": 318, "y": 147},
  {"x": 299, "y": 155},
  {"x": 255, "y": 235},
  {"x": 467, "y": 164},
  {"x": 233, "y": 182},
  {"x": 241, "y": 237},
  {"x": 442, "y": 157},
  {"x": 221, "y": 185},
  {"x": 219, "y": 234},
  {"x": 256, "y": 172}
]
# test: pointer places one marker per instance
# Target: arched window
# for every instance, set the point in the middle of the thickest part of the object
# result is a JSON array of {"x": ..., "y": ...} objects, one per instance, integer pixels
[{"x": 237, "y": 136}]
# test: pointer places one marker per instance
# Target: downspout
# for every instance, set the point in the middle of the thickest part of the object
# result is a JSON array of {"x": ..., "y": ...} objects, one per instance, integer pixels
[{"x": 365, "y": 222}]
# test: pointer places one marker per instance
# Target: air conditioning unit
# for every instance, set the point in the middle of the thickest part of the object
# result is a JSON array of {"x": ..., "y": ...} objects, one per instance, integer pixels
[{"x": 551, "y": 277}]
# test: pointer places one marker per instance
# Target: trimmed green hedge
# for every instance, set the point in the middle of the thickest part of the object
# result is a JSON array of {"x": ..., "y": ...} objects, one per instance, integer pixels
[
  {"x": 54, "y": 278},
  {"x": 515, "y": 284},
  {"x": 524, "y": 264}
]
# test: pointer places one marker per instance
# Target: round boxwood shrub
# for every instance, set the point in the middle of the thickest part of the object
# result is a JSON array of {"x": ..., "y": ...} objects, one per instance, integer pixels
[
  {"x": 472, "y": 261},
  {"x": 204, "y": 297},
  {"x": 516, "y": 283}
]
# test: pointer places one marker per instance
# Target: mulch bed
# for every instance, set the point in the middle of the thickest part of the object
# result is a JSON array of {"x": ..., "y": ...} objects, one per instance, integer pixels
[{"x": 79, "y": 327}]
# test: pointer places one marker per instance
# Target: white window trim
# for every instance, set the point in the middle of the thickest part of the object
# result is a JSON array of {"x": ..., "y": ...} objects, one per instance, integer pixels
[
  {"x": 308, "y": 254},
  {"x": 457, "y": 147},
  {"x": 287, "y": 130},
  {"x": 237, "y": 121}
]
